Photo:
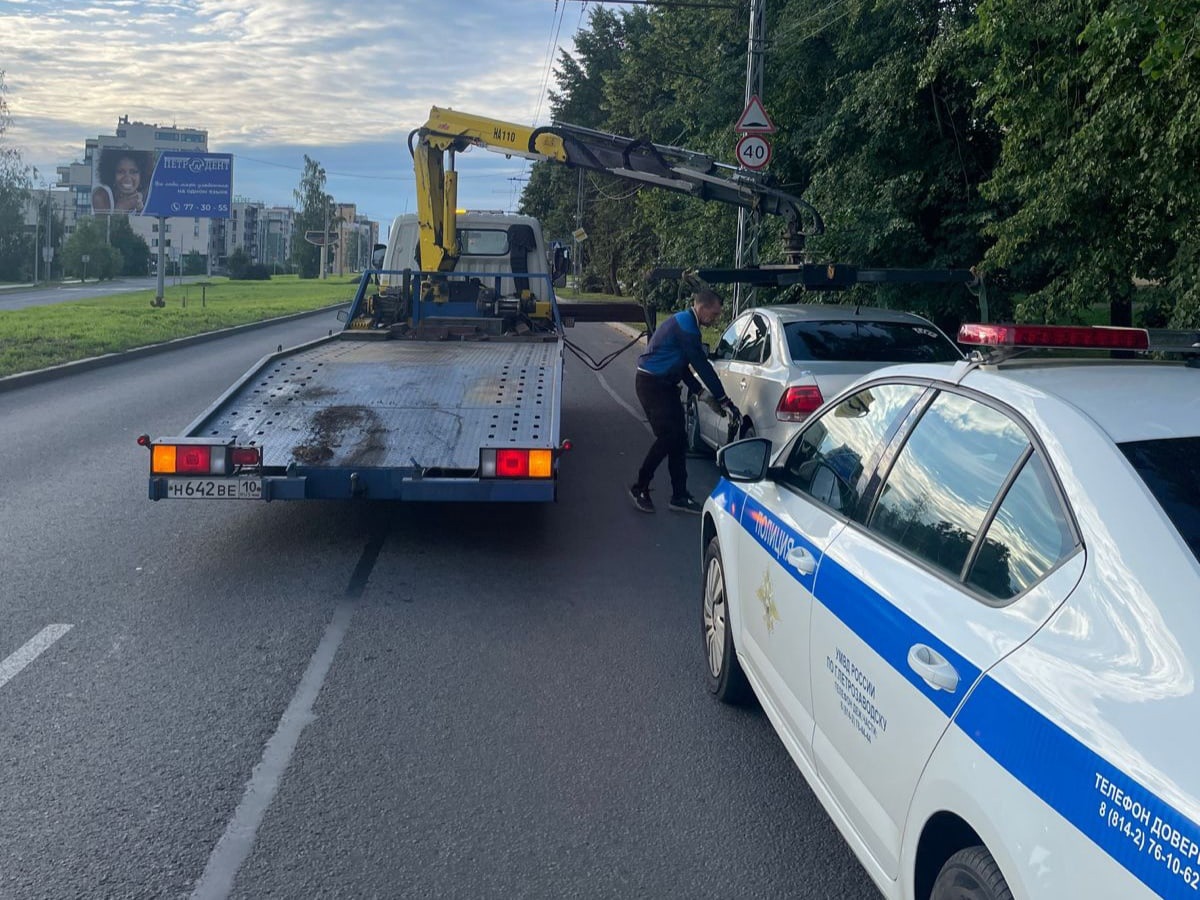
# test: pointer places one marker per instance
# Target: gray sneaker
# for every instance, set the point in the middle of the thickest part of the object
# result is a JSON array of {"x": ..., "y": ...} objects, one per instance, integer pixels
[
  {"x": 685, "y": 504},
  {"x": 641, "y": 498}
]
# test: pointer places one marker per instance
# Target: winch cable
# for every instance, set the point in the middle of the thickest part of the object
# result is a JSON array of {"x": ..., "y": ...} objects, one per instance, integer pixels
[{"x": 597, "y": 365}]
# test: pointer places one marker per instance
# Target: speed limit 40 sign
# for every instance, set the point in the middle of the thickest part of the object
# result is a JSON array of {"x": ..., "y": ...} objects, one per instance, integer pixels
[{"x": 753, "y": 151}]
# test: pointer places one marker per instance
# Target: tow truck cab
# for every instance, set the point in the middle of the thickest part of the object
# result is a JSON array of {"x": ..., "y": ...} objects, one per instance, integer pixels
[{"x": 490, "y": 242}]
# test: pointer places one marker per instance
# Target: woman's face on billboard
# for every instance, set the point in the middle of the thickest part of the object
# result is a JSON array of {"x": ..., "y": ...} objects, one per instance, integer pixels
[{"x": 128, "y": 176}]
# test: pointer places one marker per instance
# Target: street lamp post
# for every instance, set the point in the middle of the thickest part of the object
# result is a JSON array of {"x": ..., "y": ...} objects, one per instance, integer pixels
[
  {"x": 49, "y": 237},
  {"x": 37, "y": 244}
]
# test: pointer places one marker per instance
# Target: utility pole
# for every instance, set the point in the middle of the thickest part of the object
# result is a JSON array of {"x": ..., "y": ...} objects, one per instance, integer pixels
[
  {"x": 49, "y": 236},
  {"x": 325, "y": 240},
  {"x": 750, "y": 222},
  {"x": 37, "y": 243},
  {"x": 577, "y": 260}
]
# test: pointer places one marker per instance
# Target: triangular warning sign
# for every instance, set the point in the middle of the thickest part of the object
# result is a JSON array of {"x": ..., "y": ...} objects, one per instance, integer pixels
[{"x": 754, "y": 119}]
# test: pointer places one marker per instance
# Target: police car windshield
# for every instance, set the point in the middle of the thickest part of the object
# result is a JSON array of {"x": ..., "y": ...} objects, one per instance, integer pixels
[
  {"x": 1171, "y": 469},
  {"x": 865, "y": 341}
]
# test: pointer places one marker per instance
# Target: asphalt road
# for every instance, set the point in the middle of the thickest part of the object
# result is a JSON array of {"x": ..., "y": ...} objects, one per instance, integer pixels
[
  {"x": 44, "y": 295},
  {"x": 367, "y": 700}
]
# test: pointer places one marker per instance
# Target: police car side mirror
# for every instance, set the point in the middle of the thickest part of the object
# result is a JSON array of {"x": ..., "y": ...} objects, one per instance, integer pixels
[{"x": 746, "y": 460}]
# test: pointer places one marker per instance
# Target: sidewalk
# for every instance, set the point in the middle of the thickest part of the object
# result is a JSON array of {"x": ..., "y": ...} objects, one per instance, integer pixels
[{"x": 42, "y": 284}]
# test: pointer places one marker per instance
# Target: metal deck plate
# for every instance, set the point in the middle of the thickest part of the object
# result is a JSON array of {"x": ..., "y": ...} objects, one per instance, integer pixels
[{"x": 396, "y": 403}]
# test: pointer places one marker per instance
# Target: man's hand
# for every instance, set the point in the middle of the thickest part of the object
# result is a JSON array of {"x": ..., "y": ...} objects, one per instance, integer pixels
[{"x": 712, "y": 402}]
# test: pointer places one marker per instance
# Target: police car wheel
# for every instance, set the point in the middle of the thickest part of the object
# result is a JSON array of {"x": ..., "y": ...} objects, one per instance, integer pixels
[
  {"x": 971, "y": 874},
  {"x": 726, "y": 680},
  {"x": 695, "y": 442}
]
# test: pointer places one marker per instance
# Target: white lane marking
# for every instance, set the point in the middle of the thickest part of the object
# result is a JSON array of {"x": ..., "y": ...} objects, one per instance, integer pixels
[
  {"x": 31, "y": 650},
  {"x": 633, "y": 412},
  {"x": 237, "y": 841}
]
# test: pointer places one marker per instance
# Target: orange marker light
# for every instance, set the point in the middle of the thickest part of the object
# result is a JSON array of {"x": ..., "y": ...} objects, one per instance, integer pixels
[
  {"x": 541, "y": 463},
  {"x": 162, "y": 460}
]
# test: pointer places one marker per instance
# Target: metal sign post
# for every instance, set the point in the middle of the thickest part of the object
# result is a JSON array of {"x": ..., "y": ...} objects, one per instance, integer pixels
[
  {"x": 749, "y": 222},
  {"x": 162, "y": 261}
]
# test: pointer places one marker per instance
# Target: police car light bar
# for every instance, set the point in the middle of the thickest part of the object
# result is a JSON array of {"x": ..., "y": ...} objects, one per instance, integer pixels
[{"x": 1093, "y": 337}]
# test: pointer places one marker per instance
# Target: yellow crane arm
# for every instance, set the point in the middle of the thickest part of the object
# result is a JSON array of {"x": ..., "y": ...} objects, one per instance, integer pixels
[{"x": 447, "y": 132}]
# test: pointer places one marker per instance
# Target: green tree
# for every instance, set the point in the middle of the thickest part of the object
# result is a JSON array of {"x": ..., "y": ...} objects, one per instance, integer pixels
[
  {"x": 315, "y": 212},
  {"x": 555, "y": 194},
  {"x": 135, "y": 252},
  {"x": 1095, "y": 187},
  {"x": 880, "y": 130},
  {"x": 195, "y": 263},
  {"x": 103, "y": 261},
  {"x": 16, "y": 246}
]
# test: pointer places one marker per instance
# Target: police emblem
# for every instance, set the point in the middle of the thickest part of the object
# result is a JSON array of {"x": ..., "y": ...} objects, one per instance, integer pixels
[{"x": 766, "y": 596}]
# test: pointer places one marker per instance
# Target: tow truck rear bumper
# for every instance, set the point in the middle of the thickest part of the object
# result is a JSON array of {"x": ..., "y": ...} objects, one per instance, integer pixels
[{"x": 375, "y": 484}]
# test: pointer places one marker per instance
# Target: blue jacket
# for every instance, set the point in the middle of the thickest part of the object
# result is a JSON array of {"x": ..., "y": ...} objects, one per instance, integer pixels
[{"x": 675, "y": 346}]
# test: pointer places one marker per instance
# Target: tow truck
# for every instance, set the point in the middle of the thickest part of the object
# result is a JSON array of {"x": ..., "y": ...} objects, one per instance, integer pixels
[{"x": 445, "y": 383}]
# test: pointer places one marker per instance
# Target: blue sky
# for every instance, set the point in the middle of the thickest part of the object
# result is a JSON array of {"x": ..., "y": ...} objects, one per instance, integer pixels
[{"x": 271, "y": 80}]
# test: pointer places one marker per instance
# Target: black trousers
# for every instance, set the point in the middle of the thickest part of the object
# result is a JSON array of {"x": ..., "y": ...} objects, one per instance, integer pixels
[{"x": 664, "y": 411}]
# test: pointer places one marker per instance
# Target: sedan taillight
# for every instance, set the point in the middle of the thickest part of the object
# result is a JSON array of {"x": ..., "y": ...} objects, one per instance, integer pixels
[{"x": 798, "y": 402}]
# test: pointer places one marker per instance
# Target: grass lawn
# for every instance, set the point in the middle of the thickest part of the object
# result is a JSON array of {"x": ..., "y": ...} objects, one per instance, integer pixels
[{"x": 41, "y": 336}]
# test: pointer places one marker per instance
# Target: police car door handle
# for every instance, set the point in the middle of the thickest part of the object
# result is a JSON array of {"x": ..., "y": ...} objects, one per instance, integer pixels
[
  {"x": 802, "y": 561},
  {"x": 933, "y": 668}
]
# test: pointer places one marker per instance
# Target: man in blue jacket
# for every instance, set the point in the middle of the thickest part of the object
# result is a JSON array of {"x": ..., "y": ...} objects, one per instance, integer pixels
[{"x": 676, "y": 345}]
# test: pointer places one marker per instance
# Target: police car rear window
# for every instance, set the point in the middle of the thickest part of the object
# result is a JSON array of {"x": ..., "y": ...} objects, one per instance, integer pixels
[
  {"x": 1171, "y": 469},
  {"x": 865, "y": 341}
]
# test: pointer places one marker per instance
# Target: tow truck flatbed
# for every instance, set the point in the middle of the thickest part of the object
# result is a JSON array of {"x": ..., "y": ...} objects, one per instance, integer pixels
[{"x": 439, "y": 412}]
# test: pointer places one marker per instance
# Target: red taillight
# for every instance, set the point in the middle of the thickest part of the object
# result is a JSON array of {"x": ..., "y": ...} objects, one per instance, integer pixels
[
  {"x": 798, "y": 402},
  {"x": 512, "y": 463},
  {"x": 246, "y": 456},
  {"x": 193, "y": 460},
  {"x": 1094, "y": 337}
]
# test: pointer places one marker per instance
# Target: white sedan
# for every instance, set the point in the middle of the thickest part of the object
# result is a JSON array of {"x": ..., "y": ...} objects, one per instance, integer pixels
[
  {"x": 968, "y": 599},
  {"x": 779, "y": 363}
]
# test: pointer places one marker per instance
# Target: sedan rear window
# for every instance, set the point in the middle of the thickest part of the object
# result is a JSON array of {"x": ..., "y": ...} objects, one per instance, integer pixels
[
  {"x": 854, "y": 340},
  {"x": 1171, "y": 469}
]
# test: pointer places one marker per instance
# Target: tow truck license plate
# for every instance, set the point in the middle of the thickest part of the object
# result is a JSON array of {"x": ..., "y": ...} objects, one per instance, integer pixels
[{"x": 215, "y": 488}]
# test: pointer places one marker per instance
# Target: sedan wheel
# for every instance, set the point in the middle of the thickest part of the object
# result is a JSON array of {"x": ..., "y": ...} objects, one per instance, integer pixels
[
  {"x": 725, "y": 679},
  {"x": 971, "y": 874}
]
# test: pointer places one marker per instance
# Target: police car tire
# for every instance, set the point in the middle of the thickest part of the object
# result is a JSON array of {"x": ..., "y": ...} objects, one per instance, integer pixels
[
  {"x": 971, "y": 874},
  {"x": 730, "y": 684}
]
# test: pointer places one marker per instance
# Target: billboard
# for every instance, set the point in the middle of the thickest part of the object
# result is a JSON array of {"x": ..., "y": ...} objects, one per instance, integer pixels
[
  {"x": 121, "y": 180},
  {"x": 162, "y": 183},
  {"x": 191, "y": 184}
]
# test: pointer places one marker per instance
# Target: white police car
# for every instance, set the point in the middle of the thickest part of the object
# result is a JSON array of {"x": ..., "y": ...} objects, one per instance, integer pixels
[{"x": 968, "y": 598}]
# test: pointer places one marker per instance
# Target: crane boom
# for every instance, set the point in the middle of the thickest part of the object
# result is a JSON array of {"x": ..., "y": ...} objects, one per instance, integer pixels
[{"x": 699, "y": 175}]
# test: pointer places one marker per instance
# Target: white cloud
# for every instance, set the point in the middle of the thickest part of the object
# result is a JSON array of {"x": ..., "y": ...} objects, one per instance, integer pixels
[{"x": 305, "y": 73}]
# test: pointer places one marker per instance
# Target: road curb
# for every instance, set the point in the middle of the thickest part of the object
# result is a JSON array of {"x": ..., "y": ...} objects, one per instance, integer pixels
[
  {"x": 37, "y": 376},
  {"x": 627, "y": 329}
]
